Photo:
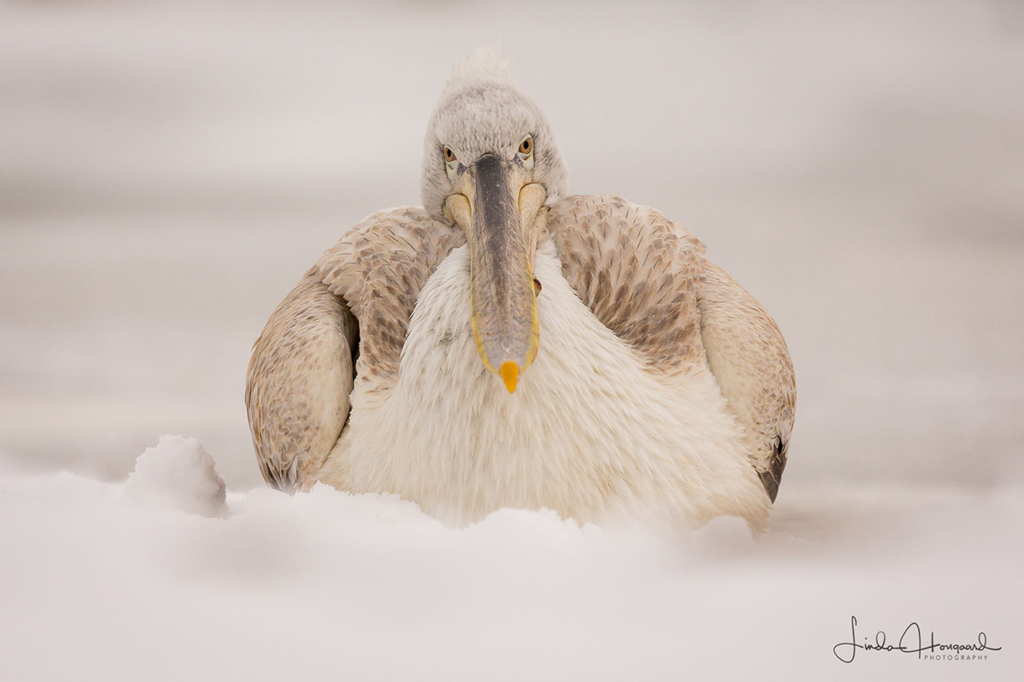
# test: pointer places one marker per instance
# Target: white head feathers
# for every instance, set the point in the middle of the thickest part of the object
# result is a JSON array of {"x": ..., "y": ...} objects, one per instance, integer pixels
[
  {"x": 481, "y": 109},
  {"x": 484, "y": 64}
]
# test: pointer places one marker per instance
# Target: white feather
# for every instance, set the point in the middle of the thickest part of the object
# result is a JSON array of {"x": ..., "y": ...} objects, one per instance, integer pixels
[{"x": 590, "y": 432}]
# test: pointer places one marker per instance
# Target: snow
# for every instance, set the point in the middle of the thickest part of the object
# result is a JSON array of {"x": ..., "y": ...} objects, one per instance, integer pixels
[
  {"x": 168, "y": 170},
  {"x": 178, "y": 474},
  {"x": 328, "y": 586}
]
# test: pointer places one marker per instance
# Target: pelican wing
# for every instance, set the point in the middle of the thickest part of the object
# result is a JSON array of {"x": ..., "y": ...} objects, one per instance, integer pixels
[
  {"x": 298, "y": 383},
  {"x": 750, "y": 361},
  {"x": 647, "y": 279},
  {"x": 637, "y": 271},
  {"x": 346, "y": 319}
]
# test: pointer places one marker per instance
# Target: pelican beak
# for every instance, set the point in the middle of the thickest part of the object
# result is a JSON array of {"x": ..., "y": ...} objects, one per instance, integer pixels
[{"x": 497, "y": 209}]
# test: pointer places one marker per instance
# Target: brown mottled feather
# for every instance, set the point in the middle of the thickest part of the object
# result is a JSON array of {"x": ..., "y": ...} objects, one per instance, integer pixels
[
  {"x": 361, "y": 292},
  {"x": 647, "y": 279},
  {"x": 379, "y": 268},
  {"x": 298, "y": 383},
  {"x": 749, "y": 358},
  {"x": 637, "y": 271}
]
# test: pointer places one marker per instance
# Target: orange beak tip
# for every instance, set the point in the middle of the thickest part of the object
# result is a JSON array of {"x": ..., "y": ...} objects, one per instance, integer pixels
[{"x": 510, "y": 375}]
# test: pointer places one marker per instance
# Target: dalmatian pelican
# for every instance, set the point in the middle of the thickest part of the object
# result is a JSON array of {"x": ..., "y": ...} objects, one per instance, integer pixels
[{"x": 511, "y": 345}]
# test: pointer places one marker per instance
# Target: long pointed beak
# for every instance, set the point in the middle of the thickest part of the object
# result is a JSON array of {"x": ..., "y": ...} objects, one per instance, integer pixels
[{"x": 504, "y": 302}]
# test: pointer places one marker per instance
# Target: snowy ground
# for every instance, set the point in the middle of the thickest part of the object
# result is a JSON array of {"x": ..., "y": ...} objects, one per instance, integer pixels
[
  {"x": 168, "y": 170},
  {"x": 101, "y": 584}
]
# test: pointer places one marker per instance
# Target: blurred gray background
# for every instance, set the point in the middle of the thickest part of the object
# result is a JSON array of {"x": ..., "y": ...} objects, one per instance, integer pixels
[{"x": 168, "y": 170}]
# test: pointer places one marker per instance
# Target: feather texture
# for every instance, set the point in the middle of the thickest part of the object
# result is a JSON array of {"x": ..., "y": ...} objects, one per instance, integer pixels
[
  {"x": 298, "y": 383},
  {"x": 662, "y": 388}
]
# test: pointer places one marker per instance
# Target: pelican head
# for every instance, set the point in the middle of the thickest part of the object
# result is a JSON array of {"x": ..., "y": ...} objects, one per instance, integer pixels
[{"x": 489, "y": 166}]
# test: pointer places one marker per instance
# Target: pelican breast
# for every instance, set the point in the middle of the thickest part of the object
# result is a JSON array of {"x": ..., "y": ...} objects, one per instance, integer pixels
[{"x": 619, "y": 417}]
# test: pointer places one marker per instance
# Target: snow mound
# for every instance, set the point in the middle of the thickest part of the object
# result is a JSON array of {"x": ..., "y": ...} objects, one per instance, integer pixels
[{"x": 178, "y": 474}]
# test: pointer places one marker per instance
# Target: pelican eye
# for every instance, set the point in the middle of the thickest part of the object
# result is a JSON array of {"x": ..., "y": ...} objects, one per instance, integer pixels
[
  {"x": 526, "y": 146},
  {"x": 449, "y": 162},
  {"x": 536, "y": 285},
  {"x": 525, "y": 151}
]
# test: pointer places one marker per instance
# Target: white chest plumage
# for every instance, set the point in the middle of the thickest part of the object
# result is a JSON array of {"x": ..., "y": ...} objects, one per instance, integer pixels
[{"x": 590, "y": 432}]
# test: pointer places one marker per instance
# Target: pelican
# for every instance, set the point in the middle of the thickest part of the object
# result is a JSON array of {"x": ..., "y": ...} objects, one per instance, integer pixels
[{"x": 511, "y": 345}]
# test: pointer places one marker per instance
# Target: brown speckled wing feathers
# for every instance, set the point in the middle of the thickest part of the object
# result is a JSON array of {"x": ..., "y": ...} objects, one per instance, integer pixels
[
  {"x": 379, "y": 268},
  {"x": 298, "y": 383},
  {"x": 637, "y": 271},
  {"x": 749, "y": 358},
  {"x": 647, "y": 279},
  {"x": 346, "y": 319}
]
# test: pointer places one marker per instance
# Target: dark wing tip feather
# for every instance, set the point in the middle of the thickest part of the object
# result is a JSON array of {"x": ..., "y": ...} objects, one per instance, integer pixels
[
  {"x": 285, "y": 480},
  {"x": 772, "y": 476}
]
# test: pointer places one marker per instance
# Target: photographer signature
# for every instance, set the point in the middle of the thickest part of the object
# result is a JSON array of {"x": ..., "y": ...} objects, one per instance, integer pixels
[{"x": 910, "y": 643}]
